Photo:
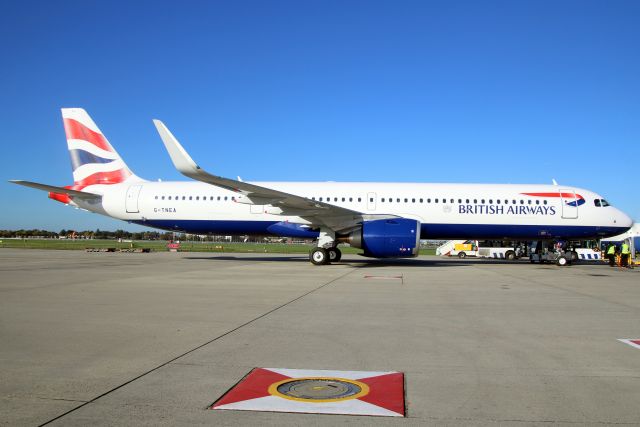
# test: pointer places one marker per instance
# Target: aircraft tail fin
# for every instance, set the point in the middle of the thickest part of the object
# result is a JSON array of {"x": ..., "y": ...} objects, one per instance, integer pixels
[{"x": 93, "y": 159}]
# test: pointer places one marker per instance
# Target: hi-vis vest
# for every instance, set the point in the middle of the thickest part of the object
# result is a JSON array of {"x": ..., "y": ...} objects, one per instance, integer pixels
[
  {"x": 611, "y": 250},
  {"x": 625, "y": 249}
]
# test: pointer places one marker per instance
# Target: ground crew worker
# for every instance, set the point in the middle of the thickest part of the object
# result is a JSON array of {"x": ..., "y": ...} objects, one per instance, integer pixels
[
  {"x": 611, "y": 254},
  {"x": 625, "y": 253}
]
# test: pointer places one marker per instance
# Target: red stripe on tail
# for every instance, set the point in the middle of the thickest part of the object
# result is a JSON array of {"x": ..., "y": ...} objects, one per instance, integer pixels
[
  {"x": 114, "y": 177},
  {"x": 76, "y": 130}
]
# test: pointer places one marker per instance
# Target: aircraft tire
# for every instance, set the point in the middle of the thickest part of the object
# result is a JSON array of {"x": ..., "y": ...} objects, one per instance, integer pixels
[
  {"x": 319, "y": 256},
  {"x": 335, "y": 254}
]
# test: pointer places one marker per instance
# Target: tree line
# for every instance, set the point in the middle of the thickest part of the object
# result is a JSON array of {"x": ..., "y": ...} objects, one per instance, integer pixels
[{"x": 86, "y": 234}]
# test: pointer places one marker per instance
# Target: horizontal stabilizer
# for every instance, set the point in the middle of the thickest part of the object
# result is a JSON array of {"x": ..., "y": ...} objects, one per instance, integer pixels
[{"x": 83, "y": 195}]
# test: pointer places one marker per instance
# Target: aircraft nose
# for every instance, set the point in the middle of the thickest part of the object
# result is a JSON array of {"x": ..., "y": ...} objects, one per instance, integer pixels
[{"x": 623, "y": 220}]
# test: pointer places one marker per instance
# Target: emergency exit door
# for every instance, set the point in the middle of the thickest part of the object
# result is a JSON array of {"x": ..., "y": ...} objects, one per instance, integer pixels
[
  {"x": 371, "y": 201},
  {"x": 569, "y": 202},
  {"x": 132, "y": 198}
]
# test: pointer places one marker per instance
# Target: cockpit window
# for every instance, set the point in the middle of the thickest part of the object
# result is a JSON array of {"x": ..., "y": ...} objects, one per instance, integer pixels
[
  {"x": 604, "y": 203},
  {"x": 597, "y": 203}
]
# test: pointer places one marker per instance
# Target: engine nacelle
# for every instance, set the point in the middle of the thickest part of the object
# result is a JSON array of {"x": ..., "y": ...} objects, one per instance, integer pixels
[{"x": 387, "y": 238}]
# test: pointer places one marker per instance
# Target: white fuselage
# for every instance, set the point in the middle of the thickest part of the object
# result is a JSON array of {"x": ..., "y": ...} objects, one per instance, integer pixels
[{"x": 445, "y": 211}]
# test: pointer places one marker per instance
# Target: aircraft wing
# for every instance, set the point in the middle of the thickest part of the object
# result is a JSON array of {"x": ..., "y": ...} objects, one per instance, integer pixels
[
  {"x": 83, "y": 195},
  {"x": 335, "y": 217}
]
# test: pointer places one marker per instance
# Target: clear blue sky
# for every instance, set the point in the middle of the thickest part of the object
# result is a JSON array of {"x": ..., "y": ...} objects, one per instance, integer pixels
[{"x": 418, "y": 91}]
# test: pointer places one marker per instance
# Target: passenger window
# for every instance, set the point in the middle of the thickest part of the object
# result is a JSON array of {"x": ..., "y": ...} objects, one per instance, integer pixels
[
  {"x": 459, "y": 200},
  {"x": 398, "y": 200},
  {"x": 225, "y": 198},
  {"x": 197, "y": 197},
  {"x": 490, "y": 201},
  {"x": 371, "y": 199},
  {"x": 218, "y": 198},
  {"x": 406, "y": 200},
  {"x": 482, "y": 201},
  {"x": 190, "y": 197},
  {"x": 544, "y": 202},
  {"x": 537, "y": 202},
  {"x": 343, "y": 199},
  {"x": 335, "y": 199},
  {"x": 475, "y": 201},
  {"x": 359, "y": 199},
  {"x": 382, "y": 199},
  {"x": 528, "y": 202},
  {"x": 156, "y": 197},
  {"x": 498, "y": 201},
  {"x": 451, "y": 201},
  {"x": 467, "y": 200},
  {"x": 413, "y": 200},
  {"x": 521, "y": 202},
  {"x": 162, "y": 197},
  {"x": 421, "y": 200},
  {"x": 351, "y": 199}
]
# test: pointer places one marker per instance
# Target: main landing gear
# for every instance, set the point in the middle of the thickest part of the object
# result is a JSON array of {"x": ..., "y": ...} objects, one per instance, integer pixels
[
  {"x": 326, "y": 252},
  {"x": 322, "y": 256}
]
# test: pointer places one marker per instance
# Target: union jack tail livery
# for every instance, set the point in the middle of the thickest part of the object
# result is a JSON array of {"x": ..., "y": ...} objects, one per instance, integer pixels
[{"x": 93, "y": 159}]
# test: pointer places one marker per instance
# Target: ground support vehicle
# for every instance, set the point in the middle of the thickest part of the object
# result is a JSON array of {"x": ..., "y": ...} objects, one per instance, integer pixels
[
  {"x": 543, "y": 252},
  {"x": 480, "y": 249}
]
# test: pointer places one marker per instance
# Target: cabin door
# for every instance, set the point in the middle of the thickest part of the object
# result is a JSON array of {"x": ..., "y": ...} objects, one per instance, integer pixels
[
  {"x": 569, "y": 202},
  {"x": 132, "y": 198}
]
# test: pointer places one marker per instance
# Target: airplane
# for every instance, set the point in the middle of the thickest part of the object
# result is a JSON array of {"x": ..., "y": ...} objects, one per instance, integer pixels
[{"x": 385, "y": 220}]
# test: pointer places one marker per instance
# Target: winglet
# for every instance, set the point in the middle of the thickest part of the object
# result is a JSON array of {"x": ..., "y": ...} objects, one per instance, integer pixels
[{"x": 180, "y": 158}]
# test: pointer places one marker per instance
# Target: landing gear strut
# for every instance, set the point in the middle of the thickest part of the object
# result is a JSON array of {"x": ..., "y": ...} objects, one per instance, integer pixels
[{"x": 326, "y": 252}]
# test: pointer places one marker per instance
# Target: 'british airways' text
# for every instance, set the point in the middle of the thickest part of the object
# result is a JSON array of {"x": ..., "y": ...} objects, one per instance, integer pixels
[{"x": 506, "y": 210}]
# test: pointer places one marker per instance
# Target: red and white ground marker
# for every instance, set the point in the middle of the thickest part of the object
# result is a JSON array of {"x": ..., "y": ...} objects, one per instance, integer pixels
[
  {"x": 317, "y": 392},
  {"x": 632, "y": 342}
]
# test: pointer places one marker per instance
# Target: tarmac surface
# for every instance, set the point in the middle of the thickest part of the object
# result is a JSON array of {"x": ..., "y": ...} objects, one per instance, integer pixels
[{"x": 154, "y": 339}]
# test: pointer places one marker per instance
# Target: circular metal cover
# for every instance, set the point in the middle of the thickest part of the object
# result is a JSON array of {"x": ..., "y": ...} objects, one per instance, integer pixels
[{"x": 319, "y": 389}]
